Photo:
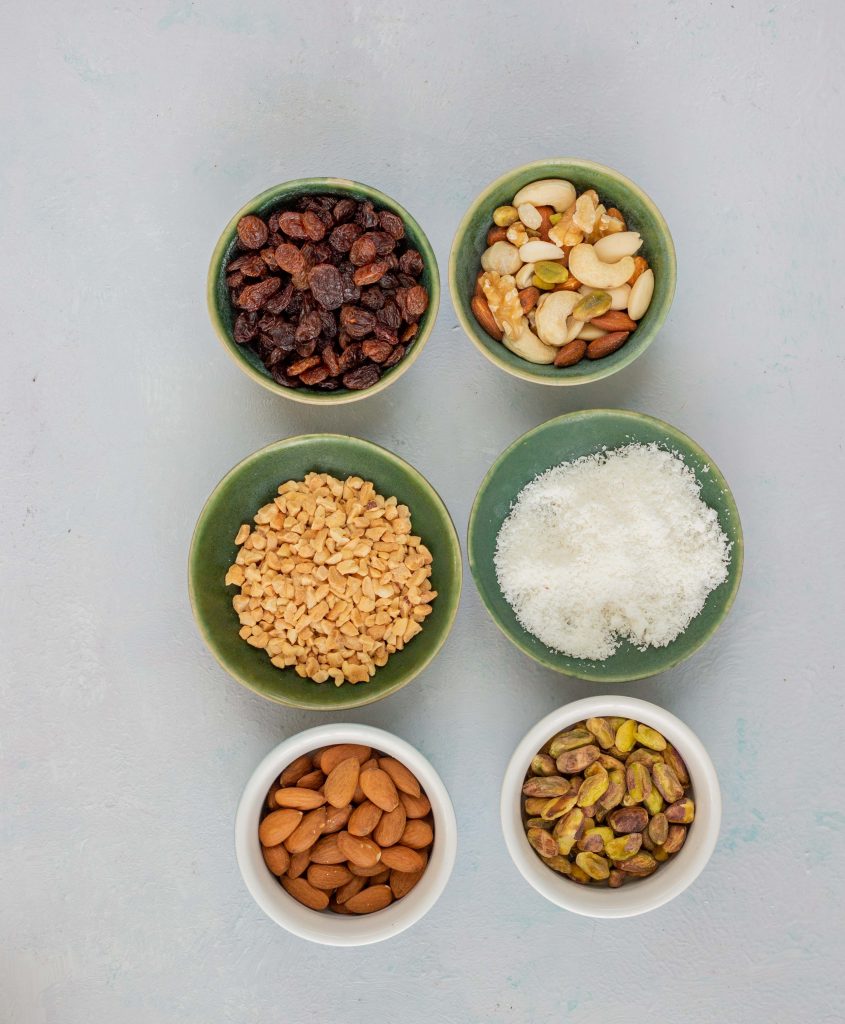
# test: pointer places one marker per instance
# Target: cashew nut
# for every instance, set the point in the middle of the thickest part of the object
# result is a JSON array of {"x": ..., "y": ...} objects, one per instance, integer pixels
[
  {"x": 613, "y": 247},
  {"x": 585, "y": 265},
  {"x": 524, "y": 275},
  {"x": 551, "y": 317},
  {"x": 530, "y": 216},
  {"x": 503, "y": 258},
  {"x": 538, "y": 250},
  {"x": 618, "y": 296},
  {"x": 528, "y": 346},
  {"x": 641, "y": 292},
  {"x": 547, "y": 192}
]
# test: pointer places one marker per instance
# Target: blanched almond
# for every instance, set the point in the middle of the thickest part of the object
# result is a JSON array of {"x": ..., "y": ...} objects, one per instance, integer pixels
[
  {"x": 301, "y": 799},
  {"x": 342, "y": 781},
  {"x": 374, "y": 897},
  {"x": 277, "y": 826},
  {"x": 404, "y": 780},
  {"x": 359, "y": 850},
  {"x": 379, "y": 788},
  {"x": 332, "y": 756},
  {"x": 305, "y": 893}
]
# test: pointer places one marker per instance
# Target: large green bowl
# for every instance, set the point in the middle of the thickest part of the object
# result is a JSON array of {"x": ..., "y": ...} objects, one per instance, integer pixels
[
  {"x": 614, "y": 189},
  {"x": 223, "y": 314},
  {"x": 562, "y": 440},
  {"x": 253, "y": 483}
]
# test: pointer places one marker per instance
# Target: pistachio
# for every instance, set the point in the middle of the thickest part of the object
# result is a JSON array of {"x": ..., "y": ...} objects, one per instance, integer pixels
[
  {"x": 615, "y": 791},
  {"x": 654, "y": 802},
  {"x": 559, "y": 805},
  {"x": 615, "y": 878},
  {"x": 593, "y": 865},
  {"x": 567, "y": 828},
  {"x": 577, "y": 760},
  {"x": 640, "y": 864},
  {"x": 626, "y": 736},
  {"x": 539, "y": 823},
  {"x": 628, "y": 819},
  {"x": 538, "y": 282},
  {"x": 504, "y": 216},
  {"x": 676, "y": 838},
  {"x": 650, "y": 738},
  {"x": 681, "y": 812},
  {"x": 658, "y": 829},
  {"x": 600, "y": 727},
  {"x": 646, "y": 757},
  {"x": 624, "y": 847},
  {"x": 667, "y": 782},
  {"x": 676, "y": 763},
  {"x": 543, "y": 764},
  {"x": 638, "y": 781},
  {"x": 551, "y": 273},
  {"x": 547, "y": 785},
  {"x": 535, "y": 804},
  {"x": 593, "y": 787},
  {"x": 579, "y": 875},
  {"x": 597, "y": 303},
  {"x": 542, "y": 842},
  {"x": 610, "y": 762},
  {"x": 570, "y": 740},
  {"x": 660, "y": 854},
  {"x": 595, "y": 839},
  {"x": 559, "y": 863}
]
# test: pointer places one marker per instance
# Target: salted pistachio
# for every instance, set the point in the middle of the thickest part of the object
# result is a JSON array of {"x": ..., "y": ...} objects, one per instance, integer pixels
[
  {"x": 660, "y": 855},
  {"x": 555, "y": 218},
  {"x": 640, "y": 864},
  {"x": 577, "y": 760},
  {"x": 544, "y": 286},
  {"x": 534, "y": 804},
  {"x": 626, "y": 736},
  {"x": 542, "y": 842},
  {"x": 594, "y": 865},
  {"x": 559, "y": 805},
  {"x": 658, "y": 829},
  {"x": 654, "y": 802},
  {"x": 676, "y": 763},
  {"x": 676, "y": 838},
  {"x": 628, "y": 819},
  {"x": 593, "y": 787},
  {"x": 546, "y": 785},
  {"x": 610, "y": 762},
  {"x": 623, "y": 847},
  {"x": 596, "y": 303},
  {"x": 543, "y": 764},
  {"x": 504, "y": 216},
  {"x": 615, "y": 878},
  {"x": 667, "y": 782},
  {"x": 646, "y": 757},
  {"x": 681, "y": 812},
  {"x": 600, "y": 727},
  {"x": 595, "y": 839},
  {"x": 615, "y": 791},
  {"x": 648, "y": 842},
  {"x": 560, "y": 864},
  {"x": 596, "y": 768},
  {"x": 539, "y": 823},
  {"x": 567, "y": 828},
  {"x": 638, "y": 781},
  {"x": 651, "y": 738},
  {"x": 550, "y": 272},
  {"x": 578, "y": 874}
]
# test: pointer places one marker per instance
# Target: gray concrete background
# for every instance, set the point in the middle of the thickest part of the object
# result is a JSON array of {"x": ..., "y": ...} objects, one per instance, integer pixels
[{"x": 130, "y": 134}]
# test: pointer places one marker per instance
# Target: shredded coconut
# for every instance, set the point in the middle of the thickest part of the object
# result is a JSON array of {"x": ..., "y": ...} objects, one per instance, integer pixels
[{"x": 616, "y": 545}]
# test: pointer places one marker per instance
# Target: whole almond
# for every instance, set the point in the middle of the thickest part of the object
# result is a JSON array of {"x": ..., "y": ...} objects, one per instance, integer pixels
[
  {"x": 301, "y": 799},
  {"x": 401, "y": 882},
  {"x": 276, "y": 858},
  {"x": 481, "y": 312},
  {"x": 379, "y": 788},
  {"x": 342, "y": 781},
  {"x": 307, "y": 832},
  {"x": 332, "y": 756},
  {"x": 364, "y": 819},
  {"x": 365, "y": 872},
  {"x": 298, "y": 863},
  {"x": 295, "y": 770},
  {"x": 614, "y": 320},
  {"x": 528, "y": 298},
  {"x": 355, "y": 884},
  {"x": 496, "y": 234},
  {"x": 374, "y": 897},
  {"x": 415, "y": 806},
  {"x": 315, "y": 757},
  {"x": 359, "y": 850},
  {"x": 402, "y": 858},
  {"x": 571, "y": 353},
  {"x": 313, "y": 780},
  {"x": 271, "y": 800},
  {"x": 389, "y": 830},
  {"x": 277, "y": 826},
  {"x": 338, "y": 908},
  {"x": 328, "y": 876},
  {"x": 336, "y": 818},
  {"x": 359, "y": 797},
  {"x": 418, "y": 834},
  {"x": 306, "y": 893},
  {"x": 404, "y": 779},
  {"x": 381, "y": 878},
  {"x": 326, "y": 851}
]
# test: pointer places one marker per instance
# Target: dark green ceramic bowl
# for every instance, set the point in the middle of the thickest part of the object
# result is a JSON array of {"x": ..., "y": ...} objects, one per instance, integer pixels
[
  {"x": 253, "y": 483},
  {"x": 562, "y": 440},
  {"x": 223, "y": 315},
  {"x": 614, "y": 190}
]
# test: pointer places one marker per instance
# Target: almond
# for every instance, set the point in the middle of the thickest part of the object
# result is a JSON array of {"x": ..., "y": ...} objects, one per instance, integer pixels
[
  {"x": 402, "y": 858},
  {"x": 307, "y": 832},
  {"x": 313, "y": 780},
  {"x": 605, "y": 346},
  {"x": 391, "y": 827},
  {"x": 295, "y": 770},
  {"x": 418, "y": 834},
  {"x": 375, "y": 897},
  {"x": 481, "y": 312},
  {"x": 298, "y": 863},
  {"x": 364, "y": 819},
  {"x": 328, "y": 876},
  {"x": 306, "y": 893},
  {"x": 528, "y": 298},
  {"x": 571, "y": 353},
  {"x": 276, "y": 858},
  {"x": 614, "y": 320},
  {"x": 496, "y": 234},
  {"x": 326, "y": 851},
  {"x": 401, "y": 882},
  {"x": 404, "y": 780},
  {"x": 336, "y": 818},
  {"x": 378, "y": 787},
  {"x": 301, "y": 799},
  {"x": 342, "y": 781},
  {"x": 365, "y": 872},
  {"x": 338, "y": 908},
  {"x": 271, "y": 800},
  {"x": 277, "y": 826},
  {"x": 359, "y": 797},
  {"x": 416, "y": 806},
  {"x": 359, "y": 850},
  {"x": 332, "y": 756},
  {"x": 355, "y": 884}
]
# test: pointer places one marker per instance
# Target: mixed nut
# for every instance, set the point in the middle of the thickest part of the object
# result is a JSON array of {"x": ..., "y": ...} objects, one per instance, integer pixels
[
  {"x": 346, "y": 828},
  {"x": 561, "y": 279},
  {"x": 332, "y": 579},
  {"x": 327, "y": 292},
  {"x": 607, "y": 800}
]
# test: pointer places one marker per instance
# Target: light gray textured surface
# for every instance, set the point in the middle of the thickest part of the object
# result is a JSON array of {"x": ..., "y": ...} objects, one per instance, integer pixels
[{"x": 130, "y": 133}]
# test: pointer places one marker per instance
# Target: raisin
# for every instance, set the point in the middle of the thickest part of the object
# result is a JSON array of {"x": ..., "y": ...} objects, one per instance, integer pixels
[
  {"x": 384, "y": 243},
  {"x": 343, "y": 340},
  {"x": 289, "y": 258},
  {"x": 235, "y": 280},
  {"x": 306, "y": 349},
  {"x": 416, "y": 301},
  {"x": 378, "y": 351},
  {"x": 392, "y": 224},
  {"x": 367, "y": 216},
  {"x": 363, "y": 377},
  {"x": 344, "y": 209},
  {"x": 372, "y": 298},
  {"x": 254, "y": 296},
  {"x": 253, "y": 266},
  {"x": 350, "y": 358},
  {"x": 326, "y": 285},
  {"x": 269, "y": 257},
  {"x": 316, "y": 375},
  {"x": 409, "y": 332},
  {"x": 389, "y": 281},
  {"x": 252, "y": 231},
  {"x": 383, "y": 333},
  {"x": 313, "y": 226},
  {"x": 343, "y": 236},
  {"x": 389, "y": 315},
  {"x": 330, "y": 360},
  {"x": 274, "y": 357},
  {"x": 351, "y": 291},
  {"x": 273, "y": 222},
  {"x": 394, "y": 357},
  {"x": 357, "y": 322},
  {"x": 279, "y": 302},
  {"x": 309, "y": 327},
  {"x": 369, "y": 274},
  {"x": 245, "y": 329},
  {"x": 363, "y": 251},
  {"x": 280, "y": 377},
  {"x": 301, "y": 365},
  {"x": 291, "y": 224}
]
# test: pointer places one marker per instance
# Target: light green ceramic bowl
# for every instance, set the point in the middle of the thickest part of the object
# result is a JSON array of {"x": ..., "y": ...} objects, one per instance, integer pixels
[
  {"x": 562, "y": 440},
  {"x": 253, "y": 483},
  {"x": 614, "y": 190},
  {"x": 223, "y": 315}
]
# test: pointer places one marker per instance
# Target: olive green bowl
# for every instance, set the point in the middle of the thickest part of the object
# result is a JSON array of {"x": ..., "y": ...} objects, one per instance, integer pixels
[
  {"x": 253, "y": 483},
  {"x": 614, "y": 190},
  {"x": 223, "y": 314},
  {"x": 564, "y": 439}
]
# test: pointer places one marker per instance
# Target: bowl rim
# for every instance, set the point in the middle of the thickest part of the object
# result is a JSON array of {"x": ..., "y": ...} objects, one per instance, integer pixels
[
  {"x": 335, "y": 929},
  {"x": 737, "y": 550},
  {"x": 600, "y": 371},
  {"x": 455, "y": 554},
  {"x": 644, "y": 894},
  {"x": 328, "y": 397}
]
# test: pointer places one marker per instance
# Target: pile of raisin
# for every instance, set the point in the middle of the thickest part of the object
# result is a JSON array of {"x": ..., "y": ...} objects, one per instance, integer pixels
[{"x": 327, "y": 292}]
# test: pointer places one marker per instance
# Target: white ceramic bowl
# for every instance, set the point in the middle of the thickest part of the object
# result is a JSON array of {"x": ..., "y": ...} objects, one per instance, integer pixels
[
  {"x": 637, "y": 895},
  {"x": 326, "y": 927}
]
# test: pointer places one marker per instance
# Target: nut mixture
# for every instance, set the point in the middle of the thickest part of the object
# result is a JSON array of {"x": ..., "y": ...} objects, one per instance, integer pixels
[
  {"x": 347, "y": 829},
  {"x": 332, "y": 579},
  {"x": 607, "y": 800},
  {"x": 328, "y": 292},
  {"x": 560, "y": 278}
]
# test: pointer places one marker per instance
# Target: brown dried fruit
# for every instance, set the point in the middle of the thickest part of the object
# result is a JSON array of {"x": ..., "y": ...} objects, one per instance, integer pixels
[
  {"x": 253, "y": 296},
  {"x": 252, "y": 232}
]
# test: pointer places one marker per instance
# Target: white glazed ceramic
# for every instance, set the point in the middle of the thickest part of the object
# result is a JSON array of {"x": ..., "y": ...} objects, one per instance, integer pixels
[
  {"x": 327, "y": 927},
  {"x": 637, "y": 895}
]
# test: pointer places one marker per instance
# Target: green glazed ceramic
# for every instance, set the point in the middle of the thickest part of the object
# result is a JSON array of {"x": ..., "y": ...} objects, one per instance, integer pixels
[
  {"x": 223, "y": 315},
  {"x": 562, "y": 440},
  {"x": 614, "y": 190},
  {"x": 253, "y": 483}
]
